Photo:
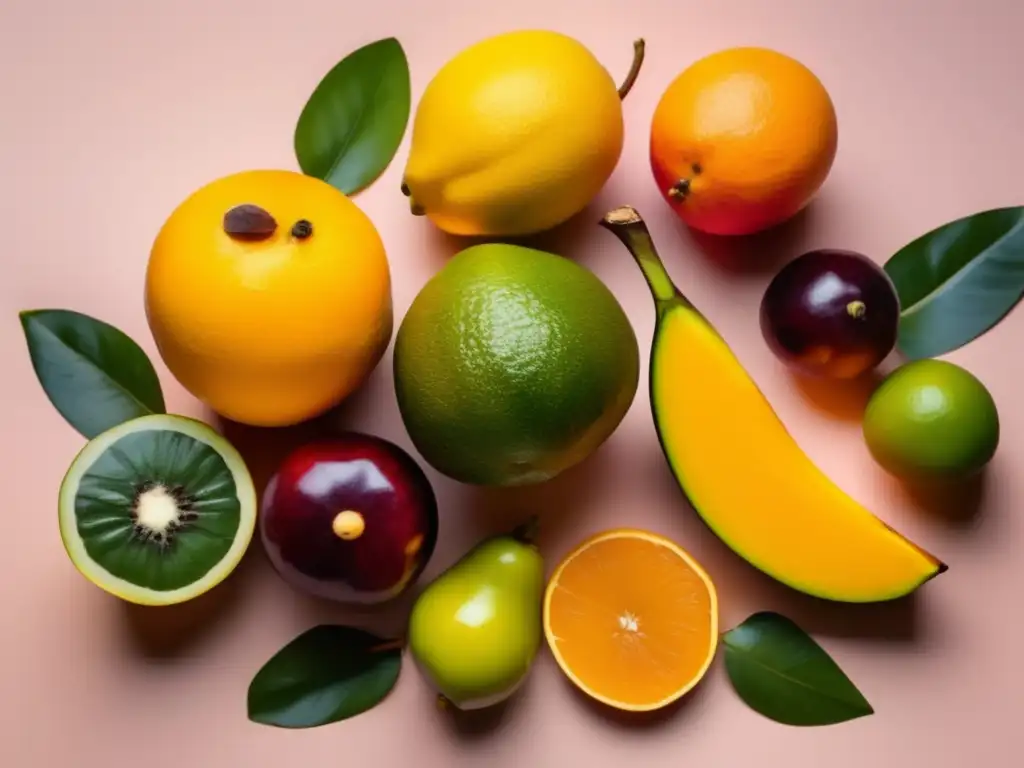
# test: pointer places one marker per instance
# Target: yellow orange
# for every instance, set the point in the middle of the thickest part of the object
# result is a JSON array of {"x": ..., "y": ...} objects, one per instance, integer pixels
[
  {"x": 742, "y": 140},
  {"x": 632, "y": 619},
  {"x": 272, "y": 327}
]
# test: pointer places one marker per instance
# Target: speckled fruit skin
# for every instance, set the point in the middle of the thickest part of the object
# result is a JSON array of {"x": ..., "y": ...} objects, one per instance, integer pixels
[
  {"x": 361, "y": 473},
  {"x": 830, "y": 313}
]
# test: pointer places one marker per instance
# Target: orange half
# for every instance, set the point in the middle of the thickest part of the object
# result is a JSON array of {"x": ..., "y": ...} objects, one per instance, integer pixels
[{"x": 632, "y": 619}]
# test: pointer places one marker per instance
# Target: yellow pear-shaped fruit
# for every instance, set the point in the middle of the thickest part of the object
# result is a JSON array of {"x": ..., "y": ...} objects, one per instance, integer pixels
[{"x": 515, "y": 134}]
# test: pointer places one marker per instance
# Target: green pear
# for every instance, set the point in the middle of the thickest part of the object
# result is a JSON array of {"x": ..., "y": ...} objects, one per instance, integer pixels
[{"x": 475, "y": 630}]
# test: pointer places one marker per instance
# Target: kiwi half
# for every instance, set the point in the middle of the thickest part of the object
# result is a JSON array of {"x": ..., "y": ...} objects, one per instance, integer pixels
[{"x": 157, "y": 510}]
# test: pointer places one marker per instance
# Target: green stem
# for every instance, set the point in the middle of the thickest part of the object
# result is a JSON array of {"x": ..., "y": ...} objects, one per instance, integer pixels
[
  {"x": 527, "y": 531},
  {"x": 627, "y": 225}
]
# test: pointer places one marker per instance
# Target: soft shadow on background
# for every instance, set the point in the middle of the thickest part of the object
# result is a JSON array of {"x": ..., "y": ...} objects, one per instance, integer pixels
[
  {"x": 760, "y": 254},
  {"x": 845, "y": 400}
]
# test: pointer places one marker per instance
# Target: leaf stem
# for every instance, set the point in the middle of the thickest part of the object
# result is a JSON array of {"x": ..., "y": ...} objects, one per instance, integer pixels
[
  {"x": 634, "y": 69},
  {"x": 390, "y": 645},
  {"x": 528, "y": 530}
]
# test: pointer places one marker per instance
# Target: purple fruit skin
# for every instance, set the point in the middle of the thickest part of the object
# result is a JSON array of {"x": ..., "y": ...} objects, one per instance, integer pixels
[
  {"x": 809, "y": 314},
  {"x": 358, "y": 472}
]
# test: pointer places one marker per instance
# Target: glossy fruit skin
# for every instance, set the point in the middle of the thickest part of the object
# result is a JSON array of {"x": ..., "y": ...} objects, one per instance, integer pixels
[
  {"x": 931, "y": 420},
  {"x": 831, "y": 313},
  {"x": 513, "y": 365},
  {"x": 741, "y": 140},
  {"x": 744, "y": 473},
  {"x": 475, "y": 630},
  {"x": 274, "y": 331},
  {"x": 355, "y": 472},
  {"x": 514, "y": 135}
]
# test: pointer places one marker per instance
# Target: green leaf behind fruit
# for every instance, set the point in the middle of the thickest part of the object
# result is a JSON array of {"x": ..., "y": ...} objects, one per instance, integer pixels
[
  {"x": 355, "y": 119},
  {"x": 94, "y": 375},
  {"x": 327, "y": 674},
  {"x": 958, "y": 281},
  {"x": 781, "y": 672}
]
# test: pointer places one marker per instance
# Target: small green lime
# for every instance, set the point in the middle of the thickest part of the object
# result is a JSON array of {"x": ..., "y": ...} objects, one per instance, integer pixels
[{"x": 931, "y": 419}]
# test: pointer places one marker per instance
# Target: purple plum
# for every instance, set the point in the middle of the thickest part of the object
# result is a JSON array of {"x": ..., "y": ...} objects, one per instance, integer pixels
[
  {"x": 831, "y": 313},
  {"x": 351, "y": 518}
]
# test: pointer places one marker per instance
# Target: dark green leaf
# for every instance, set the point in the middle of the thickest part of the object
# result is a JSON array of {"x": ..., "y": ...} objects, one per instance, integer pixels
[
  {"x": 779, "y": 671},
  {"x": 95, "y": 376},
  {"x": 355, "y": 119},
  {"x": 958, "y": 281},
  {"x": 328, "y": 673}
]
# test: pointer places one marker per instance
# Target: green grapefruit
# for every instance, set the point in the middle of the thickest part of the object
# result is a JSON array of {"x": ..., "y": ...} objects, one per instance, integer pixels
[
  {"x": 157, "y": 510},
  {"x": 512, "y": 365}
]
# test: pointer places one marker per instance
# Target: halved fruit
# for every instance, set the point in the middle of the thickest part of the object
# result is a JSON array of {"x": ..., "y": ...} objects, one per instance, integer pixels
[
  {"x": 632, "y": 619},
  {"x": 742, "y": 470},
  {"x": 157, "y": 510}
]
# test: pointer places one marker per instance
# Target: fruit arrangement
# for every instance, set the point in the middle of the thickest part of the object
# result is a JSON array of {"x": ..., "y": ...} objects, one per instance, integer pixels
[{"x": 512, "y": 365}]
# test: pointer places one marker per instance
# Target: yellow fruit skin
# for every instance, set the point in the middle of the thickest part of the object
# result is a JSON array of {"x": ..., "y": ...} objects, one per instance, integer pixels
[
  {"x": 514, "y": 135},
  {"x": 276, "y": 331}
]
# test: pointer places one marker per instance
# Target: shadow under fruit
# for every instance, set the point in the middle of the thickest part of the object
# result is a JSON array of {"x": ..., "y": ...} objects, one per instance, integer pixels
[{"x": 350, "y": 518}]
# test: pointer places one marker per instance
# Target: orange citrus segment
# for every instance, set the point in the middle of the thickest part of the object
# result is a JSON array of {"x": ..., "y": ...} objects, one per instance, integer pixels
[{"x": 631, "y": 619}]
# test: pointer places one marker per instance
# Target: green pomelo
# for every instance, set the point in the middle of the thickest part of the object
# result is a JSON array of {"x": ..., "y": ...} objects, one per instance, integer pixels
[
  {"x": 157, "y": 510},
  {"x": 512, "y": 365}
]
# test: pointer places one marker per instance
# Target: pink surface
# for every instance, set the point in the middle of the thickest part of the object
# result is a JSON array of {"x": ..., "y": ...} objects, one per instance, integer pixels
[{"x": 114, "y": 110}]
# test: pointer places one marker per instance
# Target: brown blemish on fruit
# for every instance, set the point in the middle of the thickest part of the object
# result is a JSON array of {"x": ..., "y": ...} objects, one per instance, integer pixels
[
  {"x": 302, "y": 229},
  {"x": 249, "y": 222},
  {"x": 680, "y": 190}
]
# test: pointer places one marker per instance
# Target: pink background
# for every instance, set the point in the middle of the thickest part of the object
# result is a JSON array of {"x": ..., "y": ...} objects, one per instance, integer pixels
[{"x": 114, "y": 110}]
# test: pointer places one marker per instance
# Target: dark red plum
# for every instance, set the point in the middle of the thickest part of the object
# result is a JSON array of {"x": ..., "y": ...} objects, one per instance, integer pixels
[
  {"x": 831, "y": 313},
  {"x": 352, "y": 518}
]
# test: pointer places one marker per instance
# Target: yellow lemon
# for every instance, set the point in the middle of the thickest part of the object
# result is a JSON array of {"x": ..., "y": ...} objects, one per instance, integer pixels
[
  {"x": 515, "y": 134},
  {"x": 268, "y": 294}
]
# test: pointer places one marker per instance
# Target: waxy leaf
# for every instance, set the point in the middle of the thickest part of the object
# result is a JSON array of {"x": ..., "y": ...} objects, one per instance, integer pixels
[
  {"x": 327, "y": 674},
  {"x": 94, "y": 375},
  {"x": 958, "y": 281},
  {"x": 355, "y": 119},
  {"x": 779, "y": 671}
]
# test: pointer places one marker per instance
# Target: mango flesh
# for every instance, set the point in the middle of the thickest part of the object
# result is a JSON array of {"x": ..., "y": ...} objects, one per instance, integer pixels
[
  {"x": 754, "y": 486},
  {"x": 475, "y": 630}
]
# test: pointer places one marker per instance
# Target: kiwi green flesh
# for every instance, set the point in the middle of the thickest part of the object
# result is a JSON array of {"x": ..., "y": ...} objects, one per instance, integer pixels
[{"x": 158, "y": 508}]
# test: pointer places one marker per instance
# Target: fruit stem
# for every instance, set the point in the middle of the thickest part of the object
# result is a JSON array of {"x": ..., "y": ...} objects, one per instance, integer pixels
[
  {"x": 627, "y": 225},
  {"x": 634, "y": 69},
  {"x": 391, "y": 645},
  {"x": 302, "y": 229},
  {"x": 528, "y": 530}
]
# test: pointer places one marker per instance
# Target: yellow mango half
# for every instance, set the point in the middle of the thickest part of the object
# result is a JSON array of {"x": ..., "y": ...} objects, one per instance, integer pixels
[{"x": 743, "y": 472}]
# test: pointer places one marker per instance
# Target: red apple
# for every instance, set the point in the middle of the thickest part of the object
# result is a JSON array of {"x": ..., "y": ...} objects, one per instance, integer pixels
[{"x": 351, "y": 518}]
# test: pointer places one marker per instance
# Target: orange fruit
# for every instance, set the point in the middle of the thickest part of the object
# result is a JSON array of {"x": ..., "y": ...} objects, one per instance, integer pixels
[
  {"x": 632, "y": 619},
  {"x": 742, "y": 140},
  {"x": 268, "y": 294}
]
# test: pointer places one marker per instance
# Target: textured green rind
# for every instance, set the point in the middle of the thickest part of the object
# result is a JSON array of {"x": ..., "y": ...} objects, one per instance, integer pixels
[
  {"x": 512, "y": 365},
  {"x": 94, "y": 506}
]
